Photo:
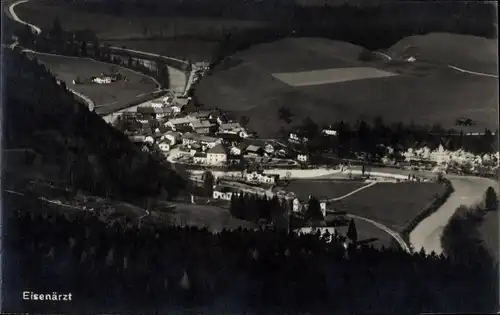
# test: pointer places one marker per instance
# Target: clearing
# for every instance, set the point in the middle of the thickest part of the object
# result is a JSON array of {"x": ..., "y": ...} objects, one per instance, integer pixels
[
  {"x": 107, "y": 97},
  {"x": 391, "y": 204}
]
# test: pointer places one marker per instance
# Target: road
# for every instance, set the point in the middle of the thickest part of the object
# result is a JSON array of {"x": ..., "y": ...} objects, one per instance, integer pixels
[
  {"x": 449, "y": 66},
  {"x": 469, "y": 191}
]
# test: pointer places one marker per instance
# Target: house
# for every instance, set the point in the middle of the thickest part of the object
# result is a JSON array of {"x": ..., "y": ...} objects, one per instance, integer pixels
[
  {"x": 269, "y": 149},
  {"x": 137, "y": 138},
  {"x": 237, "y": 149},
  {"x": 200, "y": 158},
  {"x": 323, "y": 231},
  {"x": 222, "y": 193},
  {"x": 304, "y": 158},
  {"x": 176, "y": 109},
  {"x": 172, "y": 137},
  {"x": 295, "y": 138},
  {"x": 217, "y": 155},
  {"x": 230, "y": 127},
  {"x": 202, "y": 115},
  {"x": 300, "y": 206},
  {"x": 157, "y": 104},
  {"x": 189, "y": 138},
  {"x": 180, "y": 122},
  {"x": 102, "y": 80},
  {"x": 164, "y": 146},
  {"x": 253, "y": 150},
  {"x": 228, "y": 137},
  {"x": 202, "y": 127},
  {"x": 260, "y": 177},
  {"x": 149, "y": 139},
  {"x": 329, "y": 131}
]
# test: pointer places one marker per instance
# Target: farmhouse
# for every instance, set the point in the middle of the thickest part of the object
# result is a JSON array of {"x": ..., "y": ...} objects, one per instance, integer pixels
[
  {"x": 157, "y": 104},
  {"x": 329, "y": 131},
  {"x": 191, "y": 138},
  {"x": 260, "y": 177},
  {"x": 253, "y": 150},
  {"x": 181, "y": 122},
  {"x": 200, "y": 158},
  {"x": 230, "y": 127},
  {"x": 164, "y": 146},
  {"x": 202, "y": 115},
  {"x": 302, "y": 158},
  {"x": 202, "y": 127},
  {"x": 295, "y": 138},
  {"x": 172, "y": 137},
  {"x": 299, "y": 205},
  {"x": 217, "y": 155},
  {"x": 223, "y": 193}
]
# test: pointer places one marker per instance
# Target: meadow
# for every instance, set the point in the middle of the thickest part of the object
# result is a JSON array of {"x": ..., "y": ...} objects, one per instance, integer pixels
[
  {"x": 392, "y": 204},
  {"x": 322, "y": 188},
  {"x": 107, "y": 97}
]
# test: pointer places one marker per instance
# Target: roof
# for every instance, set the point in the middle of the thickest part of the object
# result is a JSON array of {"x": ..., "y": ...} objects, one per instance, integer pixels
[
  {"x": 228, "y": 136},
  {"x": 175, "y": 134},
  {"x": 190, "y": 135},
  {"x": 218, "y": 149},
  {"x": 201, "y": 114},
  {"x": 253, "y": 148},
  {"x": 181, "y": 101},
  {"x": 200, "y": 154},
  {"x": 183, "y": 120},
  {"x": 201, "y": 124},
  {"x": 230, "y": 126}
]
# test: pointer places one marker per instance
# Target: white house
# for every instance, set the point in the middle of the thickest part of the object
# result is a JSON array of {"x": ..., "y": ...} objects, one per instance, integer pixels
[
  {"x": 164, "y": 146},
  {"x": 217, "y": 155},
  {"x": 149, "y": 139},
  {"x": 299, "y": 206},
  {"x": 260, "y": 177},
  {"x": 329, "y": 131},
  {"x": 236, "y": 151},
  {"x": 156, "y": 104},
  {"x": 101, "y": 80},
  {"x": 331, "y": 231},
  {"x": 293, "y": 137},
  {"x": 269, "y": 149},
  {"x": 222, "y": 193},
  {"x": 302, "y": 158},
  {"x": 202, "y": 127},
  {"x": 172, "y": 137}
]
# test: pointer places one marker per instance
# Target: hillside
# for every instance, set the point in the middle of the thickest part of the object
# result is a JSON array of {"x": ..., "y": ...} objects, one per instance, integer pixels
[
  {"x": 327, "y": 81},
  {"x": 465, "y": 51},
  {"x": 78, "y": 149}
]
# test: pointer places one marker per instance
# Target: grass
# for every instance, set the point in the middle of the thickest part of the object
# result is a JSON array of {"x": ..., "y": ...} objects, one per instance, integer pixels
[
  {"x": 423, "y": 92},
  {"x": 322, "y": 189},
  {"x": 328, "y": 76},
  {"x": 393, "y": 205},
  {"x": 125, "y": 26},
  {"x": 464, "y": 51},
  {"x": 211, "y": 217},
  {"x": 107, "y": 97}
]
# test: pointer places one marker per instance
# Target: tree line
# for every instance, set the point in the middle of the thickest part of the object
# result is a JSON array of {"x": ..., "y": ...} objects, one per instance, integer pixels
[
  {"x": 126, "y": 266},
  {"x": 374, "y": 137}
]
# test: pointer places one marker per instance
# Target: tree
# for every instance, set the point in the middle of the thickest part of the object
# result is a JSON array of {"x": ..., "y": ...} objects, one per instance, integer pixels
[
  {"x": 208, "y": 183},
  {"x": 352, "y": 232},
  {"x": 490, "y": 201},
  {"x": 463, "y": 122},
  {"x": 313, "y": 212},
  {"x": 285, "y": 114},
  {"x": 56, "y": 29},
  {"x": 83, "y": 49},
  {"x": 244, "y": 120}
]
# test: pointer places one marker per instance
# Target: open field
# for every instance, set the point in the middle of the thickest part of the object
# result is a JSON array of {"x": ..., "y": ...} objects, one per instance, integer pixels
[
  {"x": 393, "y": 205},
  {"x": 107, "y": 97},
  {"x": 322, "y": 189},
  {"x": 127, "y": 26},
  {"x": 465, "y": 51},
  {"x": 423, "y": 92},
  {"x": 213, "y": 218},
  {"x": 328, "y": 76}
]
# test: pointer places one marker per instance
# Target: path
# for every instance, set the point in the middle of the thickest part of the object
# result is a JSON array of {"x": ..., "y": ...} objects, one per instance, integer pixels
[
  {"x": 353, "y": 192},
  {"x": 449, "y": 66}
]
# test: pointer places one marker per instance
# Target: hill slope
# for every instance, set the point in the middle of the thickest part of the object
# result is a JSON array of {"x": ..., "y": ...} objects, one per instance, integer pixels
[
  {"x": 346, "y": 88},
  {"x": 464, "y": 51},
  {"x": 80, "y": 149}
]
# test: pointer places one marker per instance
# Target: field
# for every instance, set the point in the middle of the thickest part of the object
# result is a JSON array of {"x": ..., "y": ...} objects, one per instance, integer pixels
[
  {"x": 322, "y": 189},
  {"x": 464, "y": 51},
  {"x": 422, "y": 92},
  {"x": 107, "y": 97},
  {"x": 393, "y": 205},
  {"x": 126, "y": 26},
  {"x": 213, "y": 218}
]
